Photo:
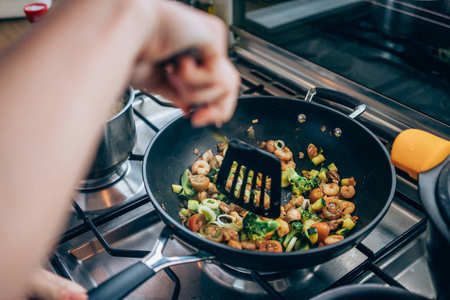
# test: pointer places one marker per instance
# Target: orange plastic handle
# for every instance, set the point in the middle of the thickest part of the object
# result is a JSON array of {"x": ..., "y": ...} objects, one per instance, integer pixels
[{"x": 416, "y": 151}]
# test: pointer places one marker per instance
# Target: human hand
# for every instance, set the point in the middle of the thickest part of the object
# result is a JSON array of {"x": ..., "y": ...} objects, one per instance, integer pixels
[
  {"x": 209, "y": 82},
  {"x": 48, "y": 286}
]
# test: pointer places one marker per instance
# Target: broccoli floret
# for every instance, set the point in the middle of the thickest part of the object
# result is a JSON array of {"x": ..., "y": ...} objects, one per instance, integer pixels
[
  {"x": 301, "y": 185},
  {"x": 256, "y": 228},
  {"x": 296, "y": 230},
  {"x": 212, "y": 175},
  {"x": 306, "y": 215},
  {"x": 188, "y": 191}
]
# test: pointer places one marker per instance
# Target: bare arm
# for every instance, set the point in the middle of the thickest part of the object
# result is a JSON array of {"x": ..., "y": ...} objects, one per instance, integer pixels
[{"x": 56, "y": 88}]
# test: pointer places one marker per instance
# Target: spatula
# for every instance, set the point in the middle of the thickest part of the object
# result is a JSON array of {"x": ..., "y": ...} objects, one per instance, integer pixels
[{"x": 254, "y": 161}]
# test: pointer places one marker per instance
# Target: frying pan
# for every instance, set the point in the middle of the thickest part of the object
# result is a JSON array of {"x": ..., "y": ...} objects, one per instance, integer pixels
[{"x": 357, "y": 152}]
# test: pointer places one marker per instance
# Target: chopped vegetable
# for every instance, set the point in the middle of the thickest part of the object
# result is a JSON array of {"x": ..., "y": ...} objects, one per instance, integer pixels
[
  {"x": 284, "y": 180},
  {"x": 312, "y": 235},
  {"x": 176, "y": 188},
  {"x": 185, "y": 212},
  {"x": 208, "y": 212},
  {"x": 256, "y": 229},
  {"x": 348, "y": 224},
  {"x": 332, "y": 167},
  {"x": 188, "y": 191},
  {"x": 212, "y": 232},
  {"x": 269, "y": 246},
  {"x": 323, "y": 230},
  {"x": 296, "y": 230},
  {"x": 211, "y": 203},
  {"x": 318, "y": 159},
  {"x": 195, "y": 222},
  {"x": 319, "y": 204},
  {"x": 193, "y": 205},
  {"x": 200, "y": 183}
]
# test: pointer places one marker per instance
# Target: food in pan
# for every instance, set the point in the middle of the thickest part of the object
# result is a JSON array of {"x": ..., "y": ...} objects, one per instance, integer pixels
[{"x": 319, "y": 212}]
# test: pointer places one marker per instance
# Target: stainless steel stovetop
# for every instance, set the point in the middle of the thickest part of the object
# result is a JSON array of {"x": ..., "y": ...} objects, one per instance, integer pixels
[{"x": 394, "y": 253}]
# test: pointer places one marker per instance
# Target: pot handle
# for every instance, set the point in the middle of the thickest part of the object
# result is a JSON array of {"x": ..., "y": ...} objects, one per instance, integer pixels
[
  {"x": 338, "y": 97},
  {"x": 416, "y": 151},
  {"x": 123, "y": 283}
]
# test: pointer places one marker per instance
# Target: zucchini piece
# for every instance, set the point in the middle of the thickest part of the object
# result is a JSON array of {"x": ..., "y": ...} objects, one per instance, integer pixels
[
  {"x": 319, "y": 204},
  {"x": 318, "y": 159},
  {"x": 307, "y": 224},
  {"x": 313, "y": 173},
  {"x": 322, "y": 175},
  {"x": 344, "y": 182},
  {"x": 193, "y": 205},
  {"x": 348, "y": 224},
  {"x": 176, "y": 188},
  {"x": 312, "y": 234},
  {"x": 185, "y": 212},
  {"x": 322, "y": 169},
  {"x": 343, "y": 231},
  {"x": 332, "y": 167},
  {"x": 304, "y": 246}
]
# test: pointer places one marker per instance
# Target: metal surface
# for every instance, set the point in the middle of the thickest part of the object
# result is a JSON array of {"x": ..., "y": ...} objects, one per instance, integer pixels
[{"x": 118, "y": 140}]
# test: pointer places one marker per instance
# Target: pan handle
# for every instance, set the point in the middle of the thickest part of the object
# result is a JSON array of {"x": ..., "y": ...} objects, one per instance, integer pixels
[
  {"x": 123, "y": 283},
  {"x": 338, "y": 97}
]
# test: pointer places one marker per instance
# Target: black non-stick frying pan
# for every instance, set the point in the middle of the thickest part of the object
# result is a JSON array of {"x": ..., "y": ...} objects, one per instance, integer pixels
[{"x": 357, "y": 152}]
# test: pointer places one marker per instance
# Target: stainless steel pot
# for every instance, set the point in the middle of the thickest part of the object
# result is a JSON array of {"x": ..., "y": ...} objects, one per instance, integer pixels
[{"x": 118, "y": 140}]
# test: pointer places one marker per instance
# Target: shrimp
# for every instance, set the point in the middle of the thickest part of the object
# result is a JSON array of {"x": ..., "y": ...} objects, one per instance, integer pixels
[
  {"x": 332, "y": 239},
  {"x": 234, "y": 244},
  {"x": 208, "y": 155},
  {"x": 330, "y": 189},
  {"x": 248, "y": 245},
  {"x": 284, "y": 227},
  {"x": 347, "y": 207},
  {"x": 333, "y": 209},
  {"x": 230, "y": 234},
  {"x": 201, "y": 167},
  {"x": 312, "y": 151},
  {"x": 348, "y": 191},
  {"x": 270, "y": 146},
  {"x": 287, "y": 164},
  {"x": 284, "y": 154}
]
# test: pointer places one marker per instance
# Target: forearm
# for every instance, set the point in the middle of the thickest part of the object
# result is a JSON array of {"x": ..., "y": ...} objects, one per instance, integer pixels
[{"x": 79, "y": 63}]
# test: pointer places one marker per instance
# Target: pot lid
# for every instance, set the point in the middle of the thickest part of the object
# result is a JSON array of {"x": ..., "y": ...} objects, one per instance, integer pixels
[{"x": 443, "y": 193}]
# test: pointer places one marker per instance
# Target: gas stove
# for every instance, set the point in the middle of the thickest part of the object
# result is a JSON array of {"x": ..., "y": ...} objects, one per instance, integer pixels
[{"x": 102, "y": 239}]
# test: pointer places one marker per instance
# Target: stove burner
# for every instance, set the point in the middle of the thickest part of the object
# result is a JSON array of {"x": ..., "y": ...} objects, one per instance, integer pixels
[
  {"x": 242, "y": 280},
  {"x": 89, "y": 184},
  {"x": 111, "y": 190}
]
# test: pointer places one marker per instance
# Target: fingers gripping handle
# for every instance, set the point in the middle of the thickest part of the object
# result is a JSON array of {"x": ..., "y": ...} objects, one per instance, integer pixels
[{"x": 123, "y": 283}]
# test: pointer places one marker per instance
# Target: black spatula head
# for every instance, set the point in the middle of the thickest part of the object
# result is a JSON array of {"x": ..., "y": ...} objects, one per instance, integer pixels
[{"x": 240, "y": 168}]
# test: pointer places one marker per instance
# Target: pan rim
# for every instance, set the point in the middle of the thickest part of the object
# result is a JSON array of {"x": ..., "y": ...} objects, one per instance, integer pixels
[{"x": 363, "y": 232}]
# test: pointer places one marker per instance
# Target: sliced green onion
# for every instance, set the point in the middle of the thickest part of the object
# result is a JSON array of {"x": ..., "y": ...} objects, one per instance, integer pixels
[
  {"x": 193, "y": 205},
  {"x": 291, "y": 244},
  {"x": 279, "y": 144},
  {"x": 208, "y": 212},
  {"x": 211, "y": 203},
  {"x": 233, "y": 224}
]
